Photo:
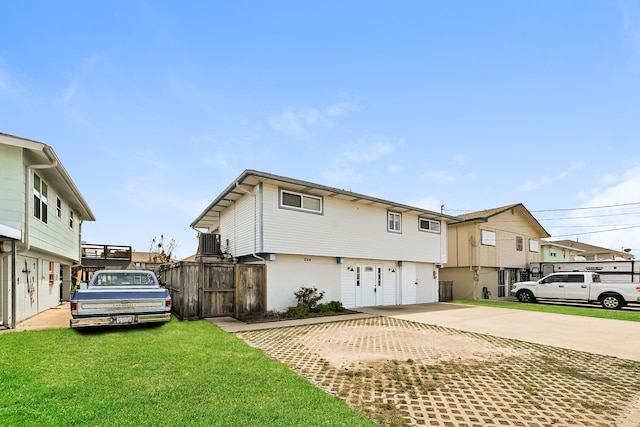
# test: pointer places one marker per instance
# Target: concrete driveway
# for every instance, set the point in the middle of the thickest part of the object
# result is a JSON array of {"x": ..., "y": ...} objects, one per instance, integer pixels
[
  {"x": 456, "y": 365},
  {"x": 607, "y": 337}
]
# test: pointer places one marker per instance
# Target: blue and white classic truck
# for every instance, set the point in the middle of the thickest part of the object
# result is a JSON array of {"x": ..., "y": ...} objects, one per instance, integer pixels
[{"x": 120, "y": 297}]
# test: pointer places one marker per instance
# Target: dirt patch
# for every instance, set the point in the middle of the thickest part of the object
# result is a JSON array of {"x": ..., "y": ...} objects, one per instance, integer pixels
[{"x": 401, "y": 373}]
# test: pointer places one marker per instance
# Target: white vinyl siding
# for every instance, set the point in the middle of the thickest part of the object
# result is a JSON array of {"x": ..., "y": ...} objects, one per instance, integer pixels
[
  {"x": 346, "y": 229},
  {"x": 11, "y": 187},
  {"x": 239, "y": 228}
]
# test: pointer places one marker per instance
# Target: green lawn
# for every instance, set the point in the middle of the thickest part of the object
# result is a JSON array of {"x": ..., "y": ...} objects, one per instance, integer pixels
[
  {"x": 594, "y": 311},
  {"x": 178, "y": 374}
]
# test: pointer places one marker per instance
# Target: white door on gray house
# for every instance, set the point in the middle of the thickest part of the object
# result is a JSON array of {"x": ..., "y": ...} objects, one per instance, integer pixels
[{"x": 365, "y": 285}]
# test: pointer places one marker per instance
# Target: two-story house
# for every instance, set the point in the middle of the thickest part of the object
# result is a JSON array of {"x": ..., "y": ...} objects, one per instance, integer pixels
[
  {"x": 558, "y": 252},
  {"x": 595, "y": 253},
  {"x": 489, "y": 249},
  {"x": 41, "y": 215},
  {"x": 360, "y": 250}
]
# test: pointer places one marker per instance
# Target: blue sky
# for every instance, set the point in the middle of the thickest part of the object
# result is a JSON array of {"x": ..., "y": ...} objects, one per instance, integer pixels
[{"x": 154, "y": 107}]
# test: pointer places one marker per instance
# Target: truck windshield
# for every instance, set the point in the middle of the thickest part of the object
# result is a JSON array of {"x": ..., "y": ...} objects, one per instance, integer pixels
[{"x": 123, "y": 278}]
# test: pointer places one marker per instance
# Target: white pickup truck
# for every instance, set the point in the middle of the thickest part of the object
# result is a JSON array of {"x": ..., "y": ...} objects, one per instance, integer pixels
[
  {"x": 120, "y": 297},
  {"x": 578, "y": 286}
]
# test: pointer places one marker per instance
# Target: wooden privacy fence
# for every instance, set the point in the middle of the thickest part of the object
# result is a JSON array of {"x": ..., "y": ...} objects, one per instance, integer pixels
[{"x": 201, "y": 290}]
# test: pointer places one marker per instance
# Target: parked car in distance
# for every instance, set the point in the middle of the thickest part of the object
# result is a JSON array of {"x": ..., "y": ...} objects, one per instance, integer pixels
[
  {"x": 120, "y": 297},
  {"x": 578, "y": 286}
]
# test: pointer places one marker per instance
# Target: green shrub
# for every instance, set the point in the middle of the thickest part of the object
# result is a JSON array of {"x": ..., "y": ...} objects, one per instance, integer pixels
[
  {"x": 296, "y": 312},
  {"x": 331, "y": 307},
  {"x": 309, "y": 297}
]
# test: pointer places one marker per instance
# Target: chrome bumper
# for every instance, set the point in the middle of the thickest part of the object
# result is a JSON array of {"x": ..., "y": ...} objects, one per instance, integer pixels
[{"x": 118, "y": 320}]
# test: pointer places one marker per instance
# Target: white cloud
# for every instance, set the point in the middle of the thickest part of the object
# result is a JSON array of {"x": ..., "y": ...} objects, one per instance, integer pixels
[
  {"x": 298, "y": 122},
  {"x": 447, "y": 176},
  {"x": 369, "y": 150},
  {"x": 395, "y": 168},
  {"x": 429, "y": 203},
  {"x": 7, "y": 86},
  {"x": 219, "y": 162},
  {"x": 630, "y": 13},
  {"x": 534, "y": 185},
  {"x": 69, "y": 93},
  {"x": 460, "y": 159},
  {"x": 341, "y": 109},
  {"x": 617, "y": 223},
  {"x": 343, "y": 167}
]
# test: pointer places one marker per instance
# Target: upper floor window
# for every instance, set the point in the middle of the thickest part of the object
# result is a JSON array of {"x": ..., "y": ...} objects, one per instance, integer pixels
[
  {"x": 40, "y": 194},
  {"x": 534, "y": 245},
  {"x": 71, "y": 219},
  {"x": 488, "y": 237},
  {"x": 552, "y": 252},
  {"x": 59, "y": 207},
  {"x": 301, "y": 201},
  {"x": 428, "y": 225},
  {"x": 394, "y": 222},
  {"x": 519, "y": 243}
]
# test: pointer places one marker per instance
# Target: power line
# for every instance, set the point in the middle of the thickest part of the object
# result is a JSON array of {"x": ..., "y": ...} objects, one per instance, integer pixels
[
  {"x": 589, "y": 207},
  {"x": 558, "y": 209},
  {"x": 589, "y": 216},
  {"x": 596, "y": 232}
]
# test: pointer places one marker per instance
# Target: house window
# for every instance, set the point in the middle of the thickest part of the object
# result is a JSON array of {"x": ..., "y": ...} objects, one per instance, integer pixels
[
  {"x": 394, "y": 222},
  {"x": 71, "y": 219},
  {"x": 301, "y": 201},
  {"x": 534, "y": 245},
  {"x": 59, "y": 207},
  {"x": 52, "y": 273},
  {"x": 552, "y": 252},
  {"x": 428, "y": 225},
  {"x": 518, "y": 243},
  {"x": 487, "y": 237},
  {"x": 40, "y": 193}
]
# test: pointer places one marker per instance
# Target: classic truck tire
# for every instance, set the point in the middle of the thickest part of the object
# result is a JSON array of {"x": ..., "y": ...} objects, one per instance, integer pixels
[
  {"x": 525, "y": 296},
  {"x": 611, "y": 302}
]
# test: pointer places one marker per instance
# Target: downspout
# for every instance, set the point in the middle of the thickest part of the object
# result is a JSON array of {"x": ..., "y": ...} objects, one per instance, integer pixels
[
  {"x": 255, "y": 222},
  {"x": 13, "y": 285}
]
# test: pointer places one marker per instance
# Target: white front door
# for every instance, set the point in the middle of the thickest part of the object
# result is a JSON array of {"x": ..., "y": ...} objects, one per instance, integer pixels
[{"x": 366, "y": 285}]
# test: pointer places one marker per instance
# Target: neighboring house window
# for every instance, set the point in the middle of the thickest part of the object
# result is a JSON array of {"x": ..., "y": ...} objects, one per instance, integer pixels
[
  {"x": 518, "y": 243},
  {"x": 40, "y": 193},
  {"x": 300, "y": 201},
  {"x": 552, "y": 252},
  {"x": 52, "y": 273},
  {"x": 428, "y": 225},
  {"x": 488, "y": 238},
  {"x": 71, "y": 219},
  {"x": 534, "y": 245},
  {"x": 394, "y": 222},
  {"x": 59, "y": 207}
]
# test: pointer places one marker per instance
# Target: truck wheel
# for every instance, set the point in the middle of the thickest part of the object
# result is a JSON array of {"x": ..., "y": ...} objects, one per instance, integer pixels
[
  {"x": 525, "y": 296},
  {"x": 612, "y": 302}
]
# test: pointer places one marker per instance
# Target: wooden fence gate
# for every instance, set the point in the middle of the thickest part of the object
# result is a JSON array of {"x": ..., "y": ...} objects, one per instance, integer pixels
[{"x": 201, "y": 290}]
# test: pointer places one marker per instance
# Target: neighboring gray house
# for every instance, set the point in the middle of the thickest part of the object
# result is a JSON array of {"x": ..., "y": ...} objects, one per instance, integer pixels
[
  {"x": 358, "y": 249},
  {"x": 41, "y": 215}
]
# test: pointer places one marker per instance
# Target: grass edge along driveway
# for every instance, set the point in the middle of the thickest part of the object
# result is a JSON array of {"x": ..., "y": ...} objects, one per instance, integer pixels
[{"x": 180, "y": 373}]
